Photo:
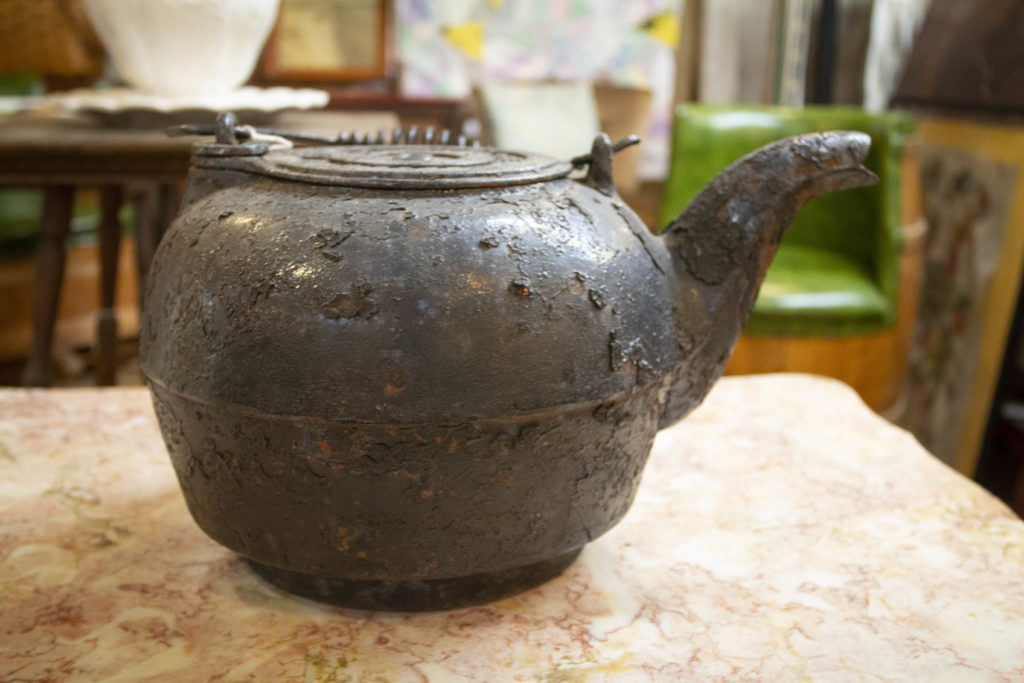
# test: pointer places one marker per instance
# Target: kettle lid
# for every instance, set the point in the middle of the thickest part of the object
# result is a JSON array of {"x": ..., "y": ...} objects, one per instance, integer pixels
[{"x": 420, "y": 167}]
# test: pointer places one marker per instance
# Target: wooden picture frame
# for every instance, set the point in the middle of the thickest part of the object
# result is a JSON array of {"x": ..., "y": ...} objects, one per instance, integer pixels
[{"x": 315, "y": 41}]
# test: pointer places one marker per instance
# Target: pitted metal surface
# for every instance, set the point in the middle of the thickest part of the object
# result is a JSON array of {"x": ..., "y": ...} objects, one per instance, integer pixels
[{"x": 416, "y": 307}]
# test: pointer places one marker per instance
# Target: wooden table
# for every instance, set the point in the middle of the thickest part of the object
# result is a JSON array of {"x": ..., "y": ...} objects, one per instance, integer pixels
[
  {"x": 64, "y": 155},
  {"x": 783, "y": 532}
]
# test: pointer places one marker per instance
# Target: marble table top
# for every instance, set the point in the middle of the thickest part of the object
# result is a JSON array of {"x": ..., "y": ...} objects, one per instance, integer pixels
[{"x": 783, "y": 532}]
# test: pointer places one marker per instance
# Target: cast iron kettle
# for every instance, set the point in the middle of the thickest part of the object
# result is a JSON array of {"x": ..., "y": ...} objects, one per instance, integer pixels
[{"x": 397, "y": 376}]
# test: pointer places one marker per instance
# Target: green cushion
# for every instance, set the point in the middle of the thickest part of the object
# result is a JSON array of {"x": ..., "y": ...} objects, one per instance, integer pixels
[{"x": 808, "y": 290}]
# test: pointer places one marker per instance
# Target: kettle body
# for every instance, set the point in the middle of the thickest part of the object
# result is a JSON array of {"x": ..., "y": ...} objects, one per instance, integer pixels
[{"x": 419, "y": 376}]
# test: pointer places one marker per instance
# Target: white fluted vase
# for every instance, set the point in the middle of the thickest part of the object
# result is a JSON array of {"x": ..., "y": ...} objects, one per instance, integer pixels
[{"x": 183, "y": 47}]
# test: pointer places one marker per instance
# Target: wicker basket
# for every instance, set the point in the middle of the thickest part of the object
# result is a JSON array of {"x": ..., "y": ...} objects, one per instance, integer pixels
[{"x": 48, "y": 38}]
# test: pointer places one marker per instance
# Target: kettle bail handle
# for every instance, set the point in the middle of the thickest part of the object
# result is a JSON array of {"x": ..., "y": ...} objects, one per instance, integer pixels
[
  {"x": 227, "y": 131},
  {"x": 599, "y": 162}
]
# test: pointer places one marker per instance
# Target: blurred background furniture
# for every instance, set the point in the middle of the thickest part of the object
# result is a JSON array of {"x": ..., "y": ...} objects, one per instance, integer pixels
[
  {"x": 973, "y": 199},
  {"x": 63, "y": 158},
  {"x": 554, "y": 118},
  {"x": 52, "y": 39},
  {"x": 962, "y": 81},
  {"x": 449, "y": 113},
  {"x": 44, "y": 44},
  {"x": 562, "y": 118},
  {"x": 840, "y": 297}
]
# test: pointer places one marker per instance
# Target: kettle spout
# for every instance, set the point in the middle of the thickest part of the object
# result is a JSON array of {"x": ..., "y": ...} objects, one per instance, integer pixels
[{"x": 723, "y": 242}]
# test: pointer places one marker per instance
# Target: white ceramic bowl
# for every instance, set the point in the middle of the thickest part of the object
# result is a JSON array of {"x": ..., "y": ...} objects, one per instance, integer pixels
[{"x": 183, "y": 47}]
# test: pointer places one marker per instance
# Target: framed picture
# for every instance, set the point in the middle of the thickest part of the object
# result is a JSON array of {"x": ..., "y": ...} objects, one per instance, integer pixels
[
  {"x": 973, "y": 192},
  {"x": 329, "y": 40}
]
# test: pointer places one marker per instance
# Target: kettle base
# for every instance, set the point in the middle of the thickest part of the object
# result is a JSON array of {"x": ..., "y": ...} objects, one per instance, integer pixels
[{"x": 416, "y": 596}]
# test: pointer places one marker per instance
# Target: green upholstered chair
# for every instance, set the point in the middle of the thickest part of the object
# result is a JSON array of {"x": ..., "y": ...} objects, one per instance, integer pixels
[{"x": 837, "y": 269}]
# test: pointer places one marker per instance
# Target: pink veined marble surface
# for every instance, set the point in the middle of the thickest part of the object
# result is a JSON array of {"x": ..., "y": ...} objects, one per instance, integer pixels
[{"x": 783, "y": 532}]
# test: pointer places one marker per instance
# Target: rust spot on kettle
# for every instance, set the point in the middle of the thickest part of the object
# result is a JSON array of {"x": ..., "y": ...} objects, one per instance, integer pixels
[
  {"x": 345, "y": 538},
  {"x": 476, "y": 283},
  {"x": 520, "y": 288},
  {"x": 397, "y": 382}
]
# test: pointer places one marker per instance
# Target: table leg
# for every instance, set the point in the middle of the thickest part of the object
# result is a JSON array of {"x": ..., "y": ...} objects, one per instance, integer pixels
[
  {"x": 146, "y": 235},
  {"x": 168, "y": 204},
  {"x": 55, "y": 225},
  {"x": 106, "y": 320}
]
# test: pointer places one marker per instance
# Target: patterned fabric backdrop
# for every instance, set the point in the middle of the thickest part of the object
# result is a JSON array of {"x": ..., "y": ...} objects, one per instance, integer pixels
[{"x": 447, "y": 45}]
